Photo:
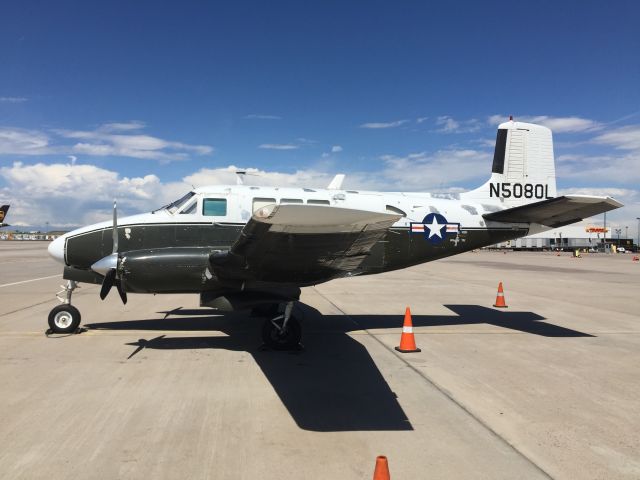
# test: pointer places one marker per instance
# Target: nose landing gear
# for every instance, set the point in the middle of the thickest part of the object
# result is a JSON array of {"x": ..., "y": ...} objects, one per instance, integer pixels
[{"x": 65, "y": 318}]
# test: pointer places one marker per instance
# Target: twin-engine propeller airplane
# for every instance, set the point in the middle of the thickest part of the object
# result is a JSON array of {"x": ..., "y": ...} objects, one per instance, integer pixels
[{"x": 248, "y": 247}]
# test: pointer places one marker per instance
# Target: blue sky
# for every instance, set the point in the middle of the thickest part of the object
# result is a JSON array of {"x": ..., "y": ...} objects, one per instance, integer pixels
[{"x": 140, "y": 99}]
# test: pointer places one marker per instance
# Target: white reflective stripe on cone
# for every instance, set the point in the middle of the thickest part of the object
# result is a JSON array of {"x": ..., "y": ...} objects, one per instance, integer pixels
[{"x": 407, "y": 329}]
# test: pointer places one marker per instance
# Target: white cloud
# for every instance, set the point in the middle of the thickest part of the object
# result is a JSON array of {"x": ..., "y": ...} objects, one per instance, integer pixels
[
  {"x": 256, "y": 116},
  {"x": 122, "y": 126},
  {"x": 624, "y": 138},
  {"x": 497, "y": 119},
  {"x": 564, "y": 124},
  {"x": 278, "y": 146},
  {"x": 424, "y": 171},
  {"x": 448, "y": 124},
  {"x": 68, "y": 195},
  {"x": 421, "y": 119},
  {"x": 620, "y": 169},
  {"x": 336, "y": 149},
  {"x": 111, "y": 139},
  {"x": 13, "y": 99},
  {"x": 556, "y": 124},
  {"x": 377, "y": 125},
  {"x": 19, "y": 141},
  {"x": 306, "y": 141}
]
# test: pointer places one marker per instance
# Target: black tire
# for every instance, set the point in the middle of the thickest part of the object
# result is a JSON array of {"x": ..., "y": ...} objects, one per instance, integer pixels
[
  {"x": 64, "y": 319},
  {"x": 289, "y": 340}
]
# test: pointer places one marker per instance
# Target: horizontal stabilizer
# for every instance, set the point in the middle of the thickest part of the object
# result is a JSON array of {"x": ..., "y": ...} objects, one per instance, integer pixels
[{"x": 556, "y": 212}]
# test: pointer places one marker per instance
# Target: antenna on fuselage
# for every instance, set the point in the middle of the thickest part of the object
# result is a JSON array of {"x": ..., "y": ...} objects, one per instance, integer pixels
[
  {"x": 241, "y": 174},
  {"x": 336, "y": 183}
]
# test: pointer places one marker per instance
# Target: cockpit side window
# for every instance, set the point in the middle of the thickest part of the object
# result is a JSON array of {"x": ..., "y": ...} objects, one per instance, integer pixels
[
  {"x": 214, "y": 207},
  {"x": 175, "y": 206},
  {"x": 190, "y": 209}
]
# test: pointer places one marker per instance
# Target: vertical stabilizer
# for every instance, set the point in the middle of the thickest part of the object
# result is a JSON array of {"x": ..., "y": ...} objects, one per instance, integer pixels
[{"x": 523, "y": 169}]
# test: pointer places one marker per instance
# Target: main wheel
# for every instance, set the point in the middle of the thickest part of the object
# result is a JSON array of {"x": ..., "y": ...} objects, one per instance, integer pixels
[
  {"x": 279, "y": 340},
  {"x": 64, "y": 319}
]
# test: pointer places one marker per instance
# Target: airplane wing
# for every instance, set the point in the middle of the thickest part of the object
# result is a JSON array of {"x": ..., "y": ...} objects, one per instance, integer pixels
[
  {"x": 301, "y": 244},
  {"x": 556, "y": 212}
]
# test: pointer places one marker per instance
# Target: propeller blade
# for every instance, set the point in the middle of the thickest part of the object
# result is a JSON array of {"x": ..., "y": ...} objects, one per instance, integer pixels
[
  {"x": 107, "y": 283},
  {"x": 121, "y": 291},
  {"x": 115, "y": 227}
]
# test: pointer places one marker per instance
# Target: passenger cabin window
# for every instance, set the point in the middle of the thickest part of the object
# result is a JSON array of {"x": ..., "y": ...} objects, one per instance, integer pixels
[
  {"x": 214, "y": 207},
  {"x": 291, "y": 200},
  {"x": 318, "y": 202},
  {"x": 258, "y": 203}
]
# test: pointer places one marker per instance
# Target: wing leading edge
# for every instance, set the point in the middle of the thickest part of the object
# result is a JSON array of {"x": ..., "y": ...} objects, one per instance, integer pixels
[
  {"x": 556, "y": 212},
  {"x": 301, "y": 244}
]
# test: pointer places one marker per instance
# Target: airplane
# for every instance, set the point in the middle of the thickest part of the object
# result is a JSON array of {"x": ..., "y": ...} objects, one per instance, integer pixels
[
  {"x": 3, "y": 214},
  {"x": 244, "y": 247}
]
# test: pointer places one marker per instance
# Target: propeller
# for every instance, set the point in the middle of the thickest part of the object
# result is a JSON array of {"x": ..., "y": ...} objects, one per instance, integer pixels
[{"x": 108, "y": 266}]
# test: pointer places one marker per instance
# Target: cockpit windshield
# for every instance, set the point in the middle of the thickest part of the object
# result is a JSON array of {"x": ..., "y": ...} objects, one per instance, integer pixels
[{"x": 173, "y": 207}]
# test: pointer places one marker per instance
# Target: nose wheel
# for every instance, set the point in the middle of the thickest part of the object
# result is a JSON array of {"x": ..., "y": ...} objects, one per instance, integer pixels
[
  {"x": 282, "y": 332},
  {"x": 65, "y": 318}
]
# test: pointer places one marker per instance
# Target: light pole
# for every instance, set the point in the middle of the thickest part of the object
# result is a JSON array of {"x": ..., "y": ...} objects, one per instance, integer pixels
[{"x": 626, "y": 232}]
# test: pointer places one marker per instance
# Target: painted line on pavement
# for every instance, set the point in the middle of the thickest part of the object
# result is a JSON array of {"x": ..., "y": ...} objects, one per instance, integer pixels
[{"x": 27, "y": 281}]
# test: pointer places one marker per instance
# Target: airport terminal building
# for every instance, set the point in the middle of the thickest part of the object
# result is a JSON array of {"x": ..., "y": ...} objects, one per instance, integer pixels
[{"x": 569, "y": 238}]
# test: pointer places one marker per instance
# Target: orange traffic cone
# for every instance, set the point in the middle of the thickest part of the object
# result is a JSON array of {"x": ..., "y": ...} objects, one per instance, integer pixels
[
  {"x": 382, "y": 469},
  {"x": 500, "y": 303},
  {"x": 407, "y": 340}
]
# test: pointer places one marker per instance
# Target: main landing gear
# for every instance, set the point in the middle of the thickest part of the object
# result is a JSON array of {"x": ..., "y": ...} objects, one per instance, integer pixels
[
  {"x": 282, "y": 332},
  {"x": 65, "y": 318}
]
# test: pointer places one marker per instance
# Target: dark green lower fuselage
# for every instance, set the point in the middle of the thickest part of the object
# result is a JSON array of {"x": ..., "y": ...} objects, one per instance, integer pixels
[{"x": 174, "y": 258}]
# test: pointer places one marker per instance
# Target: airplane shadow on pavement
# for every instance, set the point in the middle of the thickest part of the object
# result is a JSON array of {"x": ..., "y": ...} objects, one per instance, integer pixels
[{"x": 333, "y": 384}]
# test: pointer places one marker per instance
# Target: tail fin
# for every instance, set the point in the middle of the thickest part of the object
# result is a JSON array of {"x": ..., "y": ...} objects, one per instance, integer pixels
[
  {"x": 3, "y": 212},
  {"x": 523, "y": 168},
  {"x": 523, "y": 182}
]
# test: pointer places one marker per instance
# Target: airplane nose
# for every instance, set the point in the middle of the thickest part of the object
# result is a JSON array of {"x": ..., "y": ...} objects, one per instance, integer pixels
[{"x": 56, "y": 249}]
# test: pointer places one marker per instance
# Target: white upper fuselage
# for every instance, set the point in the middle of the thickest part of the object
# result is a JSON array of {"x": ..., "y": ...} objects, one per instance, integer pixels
[{"x": 242, "y": 200}]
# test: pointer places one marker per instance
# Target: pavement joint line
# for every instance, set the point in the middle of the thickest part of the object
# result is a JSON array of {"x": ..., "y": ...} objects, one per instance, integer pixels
[
  {"x": 442, "y": 390},
  {"x": 28, "y": 281},
  {"x": 25, "y": 308},
  {"x": 36, "y": 304}
]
